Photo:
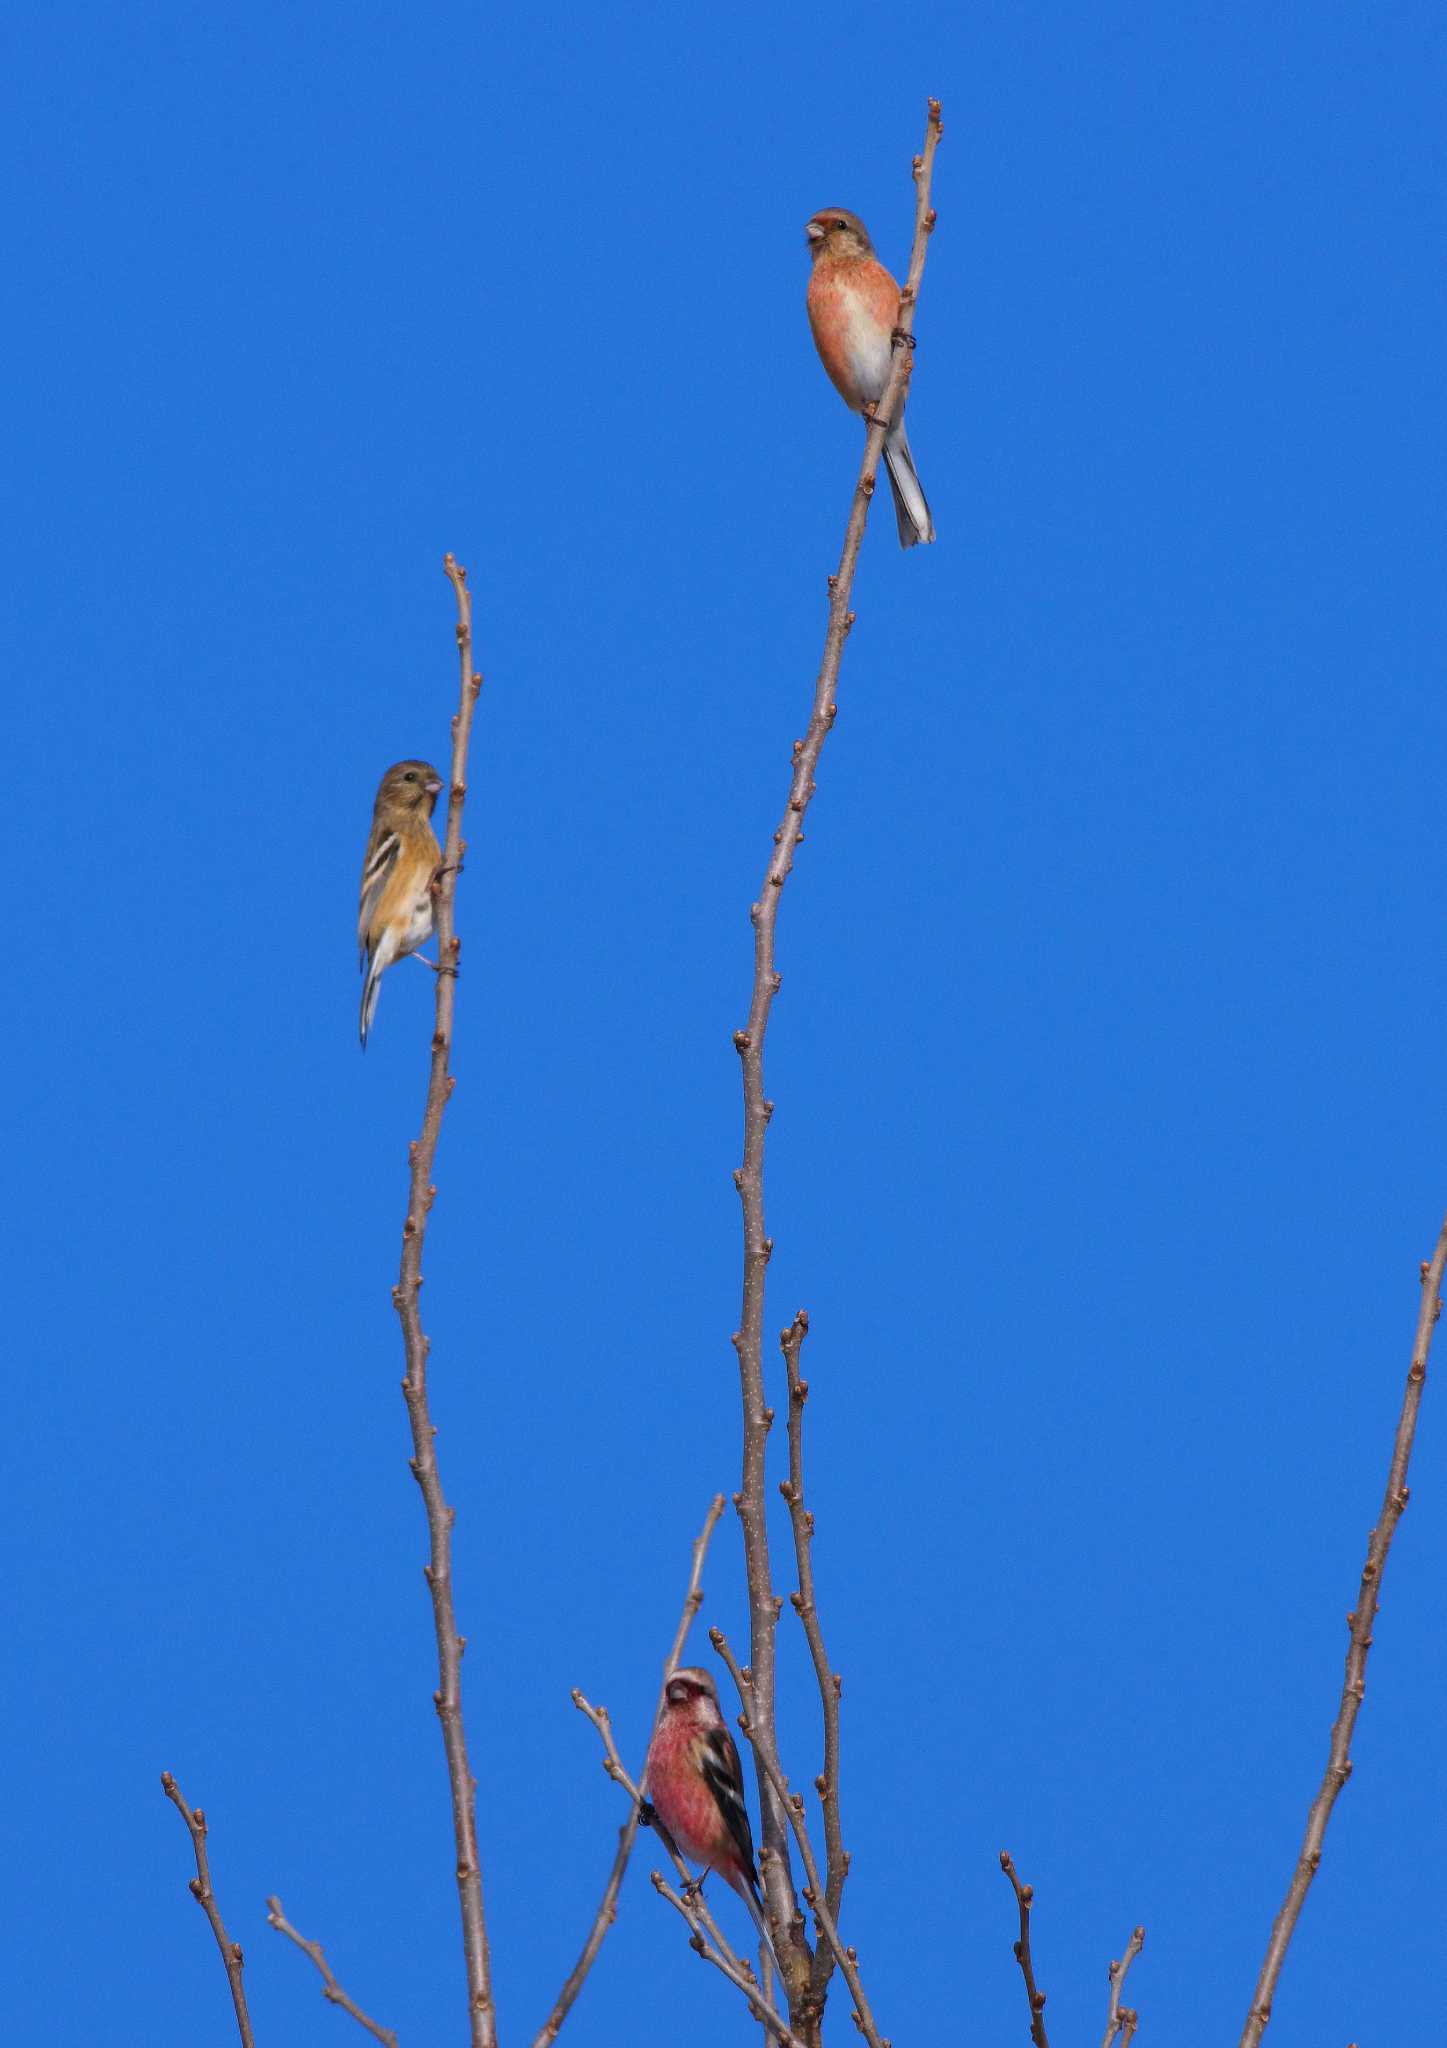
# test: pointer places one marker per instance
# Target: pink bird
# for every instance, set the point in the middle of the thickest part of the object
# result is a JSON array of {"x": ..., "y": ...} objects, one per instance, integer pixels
[
  {"x": 696, "y": 1788},
  {"x": 853, "y": 310}
]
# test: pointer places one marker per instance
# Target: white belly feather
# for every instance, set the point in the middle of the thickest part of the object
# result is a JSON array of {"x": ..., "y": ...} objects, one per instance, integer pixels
[
  {"x": 419, "y": 925},
  {"x": 869, "y": 350}
]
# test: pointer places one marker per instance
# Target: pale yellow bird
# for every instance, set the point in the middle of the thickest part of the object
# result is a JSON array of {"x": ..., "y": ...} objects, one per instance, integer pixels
[{"x": 395, "y": 913}]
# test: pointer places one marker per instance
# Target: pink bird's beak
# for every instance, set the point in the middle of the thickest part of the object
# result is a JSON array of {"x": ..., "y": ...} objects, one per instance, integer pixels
[
  {"x": 813, "y": 232},
  {"x": 432, "y": 785}
]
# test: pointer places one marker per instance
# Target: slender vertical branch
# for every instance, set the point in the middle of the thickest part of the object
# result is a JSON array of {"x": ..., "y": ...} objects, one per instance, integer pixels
[
  {"x": 608, "y": 1905},
  {"x": 1025, "y": 1900},
  {"x": 1121, "y": 2019},
  {"x": 836, "y": 1860},
  {"x": 201, "y": 1892},
  {"x": 1360, "y": 1624},
  {"x": 764, "y": 1605},
  {"x": 332, "y": 1991},
  {"x": 440, "y": 1517}
]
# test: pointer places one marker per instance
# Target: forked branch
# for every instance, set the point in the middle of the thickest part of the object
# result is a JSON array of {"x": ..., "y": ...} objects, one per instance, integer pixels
[
  {"x": 1122, "y": 2020},
  {"x": 763, "y": 2012},
  {"x": 201, "y": 1892},
  {"x": 794, "y": 1954},
  {"x": 440, "y": 1517},
  {"x": 1360, "y": 1623}
]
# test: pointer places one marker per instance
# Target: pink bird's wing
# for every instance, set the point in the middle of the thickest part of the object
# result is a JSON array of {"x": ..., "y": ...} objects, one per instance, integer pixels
[{"x": 725, "y": 1779}]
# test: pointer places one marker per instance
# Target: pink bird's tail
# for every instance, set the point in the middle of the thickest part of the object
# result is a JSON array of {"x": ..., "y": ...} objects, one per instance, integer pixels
[
  {"x": 911, "y": 509},
  {"x": 752, "y": 1900}
]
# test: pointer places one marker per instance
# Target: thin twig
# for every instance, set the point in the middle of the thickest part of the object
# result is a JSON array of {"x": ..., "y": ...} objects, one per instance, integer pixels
[
  {"x": 440, "y": 1517},
  {"x": 836, "y": 1859},
  {"x": 793, "y": 1806},
  {"x": 608, "y": 1905},
  {"x": 765, "y": 2014},
  {"x": 201, "y": 1892},
  {"x": 1360, "y": 1623},
  {"x": 1025, "y": 1899},
  {"x": 764, "y": 1606},
  {"x": 1121, "y": 2019},
  {"x": 332, "y": 1991}
]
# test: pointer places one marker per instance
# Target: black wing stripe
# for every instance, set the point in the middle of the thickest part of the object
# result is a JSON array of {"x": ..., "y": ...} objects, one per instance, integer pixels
[{"x": 725, "y": 1780}]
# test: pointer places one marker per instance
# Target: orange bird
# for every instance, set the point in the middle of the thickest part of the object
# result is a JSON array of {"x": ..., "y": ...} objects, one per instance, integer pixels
[{"x": 853, "y": 310}]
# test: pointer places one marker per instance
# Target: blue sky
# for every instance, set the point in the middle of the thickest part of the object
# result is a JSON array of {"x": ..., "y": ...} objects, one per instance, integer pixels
[{"x": 1108, "y": 1134}]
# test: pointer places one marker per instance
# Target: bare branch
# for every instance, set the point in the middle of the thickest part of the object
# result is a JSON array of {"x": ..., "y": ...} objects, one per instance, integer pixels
[
  {"x": 764, "y": 2013},
  {"x": 201, "y": 1892},
  {"x": 793, "y": 1805},
  {"x": 693, "y": 1600},
  {"x": 749, "y": 1177},
  {"x": 1025, "y": 1899},
  {"x": 1121, "y": 2019},
  {"x": 1360, "y": 1623},
  {"x": 440, "y": 1517},
  {"x": 331, "y": 1989},
  {"x": 608, "y": 1905},
  {"x": 826, "y": 1784}
]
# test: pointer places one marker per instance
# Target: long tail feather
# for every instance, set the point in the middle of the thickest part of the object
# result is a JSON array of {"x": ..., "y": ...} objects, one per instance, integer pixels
[
  {"x": 379, "y": 958},
  {"x": 370, "y": 989},
  {"x": 755, "y": 1905},
  {"x": 911, "y": 509}
]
